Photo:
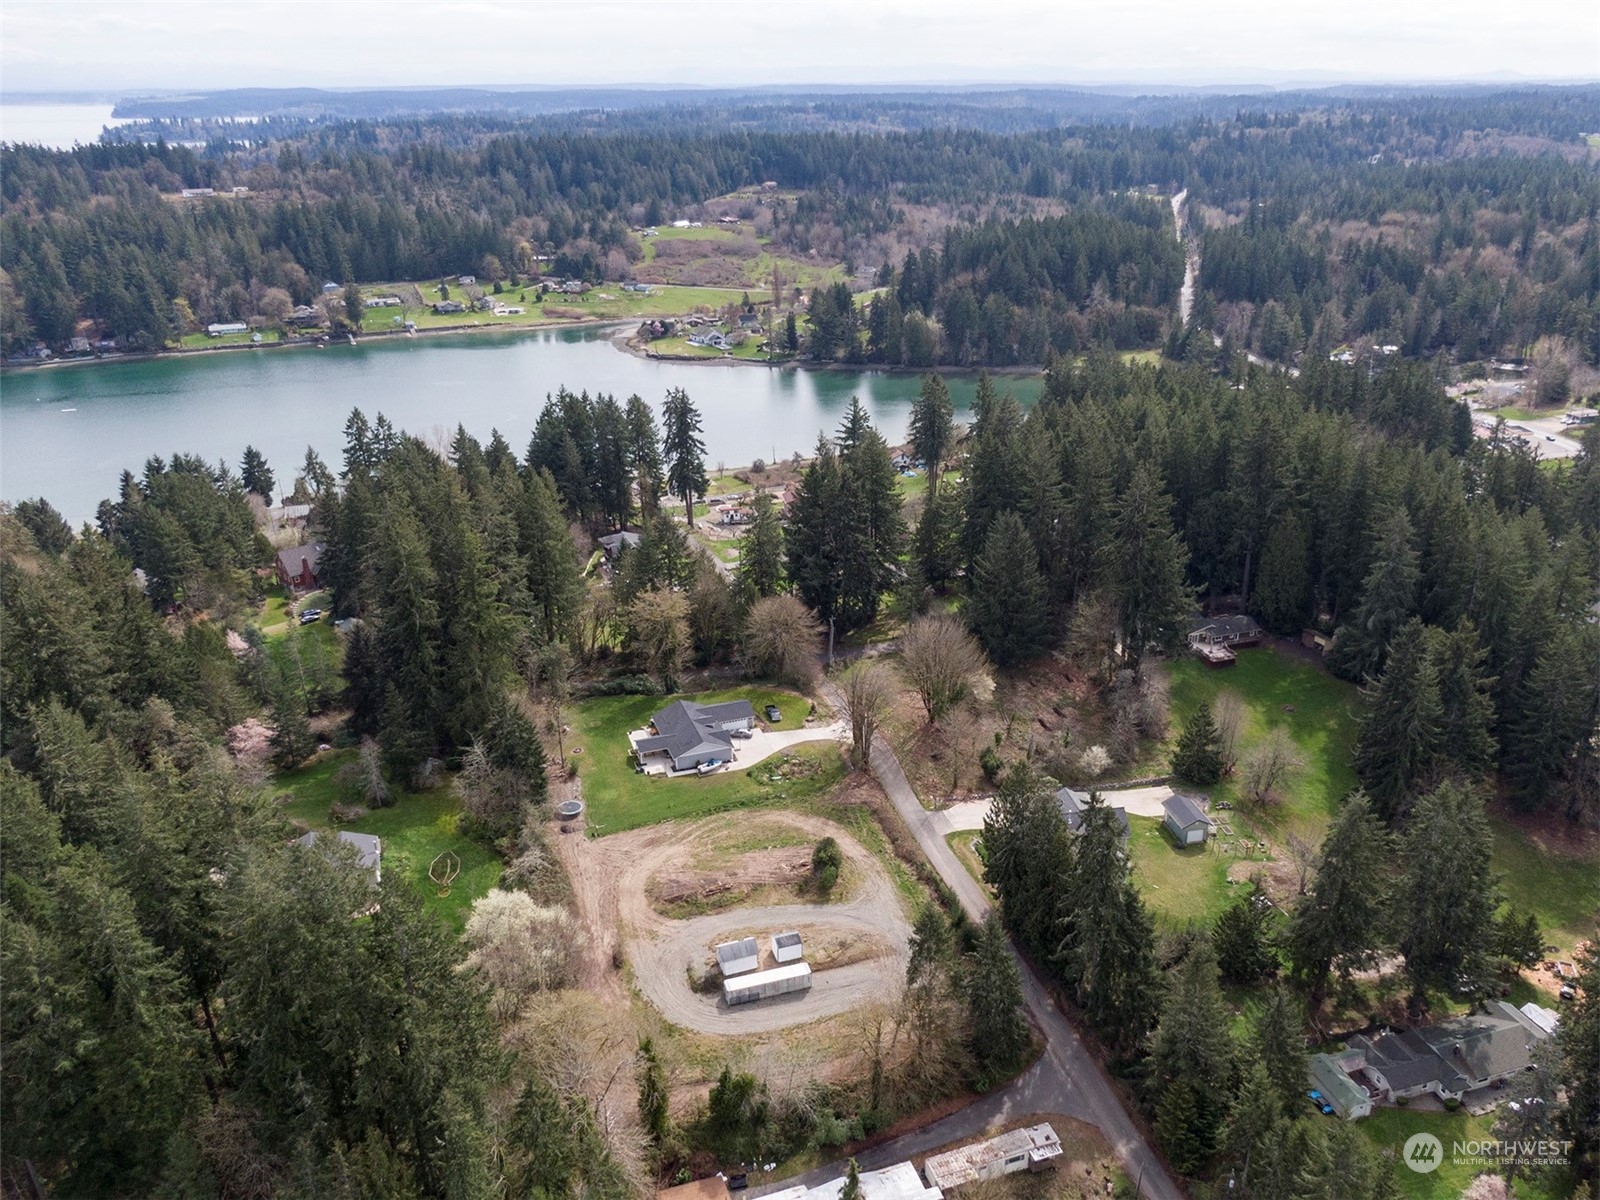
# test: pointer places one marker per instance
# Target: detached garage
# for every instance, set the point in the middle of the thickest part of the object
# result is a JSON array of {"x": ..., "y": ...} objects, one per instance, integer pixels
[{"x": 1186, "y": 819}]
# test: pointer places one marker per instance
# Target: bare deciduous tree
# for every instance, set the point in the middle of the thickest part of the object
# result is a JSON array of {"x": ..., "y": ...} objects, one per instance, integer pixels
[
  {"x": 1092, "y": 636},
  {"x": 1302, "y": 853},
  {"x": 869, "y": 692},
  {"x": 780, "y": 640},
  {"x": 364, "y": 775},
  {"x": 940, "y": 658},
  {"x": 658, "y": 631},
  {"x": 1227, "y": 712},
  {"x": 1266, "y": 767}
]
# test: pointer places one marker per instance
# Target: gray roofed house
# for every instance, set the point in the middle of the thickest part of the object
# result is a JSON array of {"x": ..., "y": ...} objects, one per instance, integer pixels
[
  {"x": 613, "y": 543},
  {"x": 369, "y": 849},
  {"x": 689, "y": 734},
  {"x": 1216, "y": 638},
  {"x": 1448, "y": 1059},
  {"x": 1186, "y": 818},
  {"x": 1072, "y": 804}
]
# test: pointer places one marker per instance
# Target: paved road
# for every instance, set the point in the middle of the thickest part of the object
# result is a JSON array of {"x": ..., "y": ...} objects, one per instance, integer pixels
[{"x": 1066, "y": 1078}]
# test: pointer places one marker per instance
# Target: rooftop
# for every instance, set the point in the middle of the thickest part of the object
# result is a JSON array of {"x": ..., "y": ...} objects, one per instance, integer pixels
[
  {"x": 742, "y": 955},
  {"x": 962, "y": 1165},
  {"x": 899, "y": 1182},
  {"x": 685, "y": 728},
  {"x": 1073, "y": 804},
  {"x": 1185, "y": 810}
]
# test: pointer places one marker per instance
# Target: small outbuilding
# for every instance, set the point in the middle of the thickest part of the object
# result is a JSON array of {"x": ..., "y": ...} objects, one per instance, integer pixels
[
  {"x": 737, "y": 958},
  {"x": 786, "y": 947},
  {"x": 1185, "y": 817}
]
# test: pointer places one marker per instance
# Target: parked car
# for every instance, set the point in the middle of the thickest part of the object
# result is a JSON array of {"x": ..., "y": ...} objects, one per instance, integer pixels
[
  {"x": 774, "y": 713},
  {"x": 1321, "y": 1102},
  {"x": 742, "y": 734},
  {"x": 706, "y": 768},
  {"x": 311, "y": 616}
]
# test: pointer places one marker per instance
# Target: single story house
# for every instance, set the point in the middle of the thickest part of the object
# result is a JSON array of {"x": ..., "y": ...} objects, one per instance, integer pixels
[
  {"x": 787, "y": 948},
  {"x": 1185, "y": 817},
  {"x": 1216, "y": 639},
  {"x": 712, "y": 340},
  {"x": 1330, "y": 1079},
  {"x": 1072, "y": 804},
  {"x": 219, "y": 328},
  {"x": 369, "y": 849},
  {"x": 1031, "y": 1149},
  {"x": 688, "y": 734},
  {"x": 751, "y": 321},
  {"x": 297, "y": 567},
  {"x": 303, "y": 316},
  {"x": 736, "y": 958},
  {"x": 1448, "y": 1059},
  {"x": 613, "y": 543},
  {"x": 449, "y": 306}
]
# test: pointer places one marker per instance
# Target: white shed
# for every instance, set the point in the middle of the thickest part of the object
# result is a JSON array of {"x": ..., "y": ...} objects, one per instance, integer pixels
[
  {"x": 736, "y": 958},
  {"x": 786, "y": 947}
]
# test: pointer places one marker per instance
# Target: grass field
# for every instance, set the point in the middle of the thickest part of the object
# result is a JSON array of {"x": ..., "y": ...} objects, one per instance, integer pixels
[
  {"x": 1317, "y": 710},
  {"x": 1178, "y": 886},
  {"x": 664, "y": 300},
  {"x": 619, "y": 798},
  {"x": 204, "y": 341},
  {"x": 1563, "y": 892},
  {"x": 1388, "y": 1128},
  {"x": 415, "y": 829}
]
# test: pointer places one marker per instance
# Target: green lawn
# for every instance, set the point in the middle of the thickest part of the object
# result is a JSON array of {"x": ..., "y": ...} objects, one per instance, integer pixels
[
  {"x": 415, "y": 829},
  {"x": 1388, "y": 1128},
  {"x": 204, "y": 341},
  {"x": 1178, "y": 886},
  {"x": 1563, "y": 892},
  {"x": 1278, "y": 690},
  {"x": 619, "y": 798}
]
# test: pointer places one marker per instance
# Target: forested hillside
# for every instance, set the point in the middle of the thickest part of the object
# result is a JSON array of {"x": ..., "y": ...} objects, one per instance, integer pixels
[{"x": 1460, "y": 223}]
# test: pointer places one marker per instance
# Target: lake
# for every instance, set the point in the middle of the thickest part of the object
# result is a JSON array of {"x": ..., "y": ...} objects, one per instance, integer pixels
[
  {"x": 58, "y": 126},
  {"x": 67, "y": 433}
]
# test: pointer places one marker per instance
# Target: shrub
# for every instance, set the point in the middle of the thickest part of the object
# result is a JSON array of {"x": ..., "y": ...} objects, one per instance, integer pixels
[
  {"x": 826, "y": 860},
  {"x": 991, "y": 763}
]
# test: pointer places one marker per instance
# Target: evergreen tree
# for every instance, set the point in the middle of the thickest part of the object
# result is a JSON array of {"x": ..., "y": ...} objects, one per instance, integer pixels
[
  {"x": 1277, "y": 1039},
  {"x": 1178, "y": 1129},
  {"x": 1243, "y": 939},
  {"x": 1388, "y": 601},
  {"x": 1447, "y": 901},
  {"x": 255, "y": 474},
  {"x": 1282, "y": 593},
  {"x": 929, "y": 943},
  {"x": 1008, "y": 604},
  {"x": 1398, "y": 748},
  {"x": 994, "y": 1000},
  {"x": 852, "y": 1182},
  {"x": 1198, "y": 757},
  {"x": 683, "y": 450},
  {"x": 932, "y": 430},
  {"x": 553, "y": 588},
  {"x": 872, "y": 533},
  {"x": 760, "y": 571},
  {"x": 1466, "y": 701},
  {"x": 1253, "y": 1136},
  {"x": 1578, "y": 1039},
  {"x": 1148, "y": 565},
  {"x": 1551, "y": 749},
  {"x": 292, "y": 741},
  {"x": 1191, "y": 1048},
  {"x": 936, "y": 544},
  {"x": 812, "y": 540},
  {"x": 654, "y": 1095},
  {"x": 1341, "y": 922}
]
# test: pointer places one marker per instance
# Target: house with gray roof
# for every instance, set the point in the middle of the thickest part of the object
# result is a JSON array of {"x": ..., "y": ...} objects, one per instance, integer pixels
[
  {"x": 369, "y": 849},
  {"x": 1185, "y": 818},
  {"x": 614, "y": 543},
  {"x": 1073, "y": 804},
  {"x": 1447, "y": 1059},
  {"x": 685, "y": 734}
]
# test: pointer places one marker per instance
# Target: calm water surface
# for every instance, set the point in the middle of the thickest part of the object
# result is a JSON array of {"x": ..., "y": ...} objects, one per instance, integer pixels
[
  {"x": 58, "y": 126},
  {"x": 283, "y": 400}
]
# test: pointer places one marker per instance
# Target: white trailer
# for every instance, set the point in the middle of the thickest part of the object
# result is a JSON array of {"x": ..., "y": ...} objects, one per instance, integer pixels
[{"x": 763, "y": 985}]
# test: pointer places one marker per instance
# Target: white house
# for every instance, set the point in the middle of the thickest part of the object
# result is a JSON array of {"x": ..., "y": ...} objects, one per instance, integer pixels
[
  {"x": 1030, "y": 1149},
  {"x": 219, "y": 328}
]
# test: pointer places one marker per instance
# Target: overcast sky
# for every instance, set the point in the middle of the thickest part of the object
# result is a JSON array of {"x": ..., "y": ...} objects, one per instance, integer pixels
[{"x": 51, "y": 45}]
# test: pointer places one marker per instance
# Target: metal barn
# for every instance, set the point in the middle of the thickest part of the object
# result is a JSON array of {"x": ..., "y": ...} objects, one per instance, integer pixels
[{"x": 763, "y": 985}]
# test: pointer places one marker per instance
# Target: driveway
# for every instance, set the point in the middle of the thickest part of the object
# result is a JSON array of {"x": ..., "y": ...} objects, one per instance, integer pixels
[
  {"x": 764, "y": 743},
  {"x": 969, "y": 814},
  {"x": 1066, "y": 1079}
]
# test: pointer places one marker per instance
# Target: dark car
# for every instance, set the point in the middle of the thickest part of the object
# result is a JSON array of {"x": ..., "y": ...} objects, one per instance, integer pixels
[
  {"x": 774, "y": 714},
  {"x": 311, "y": 616}
]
